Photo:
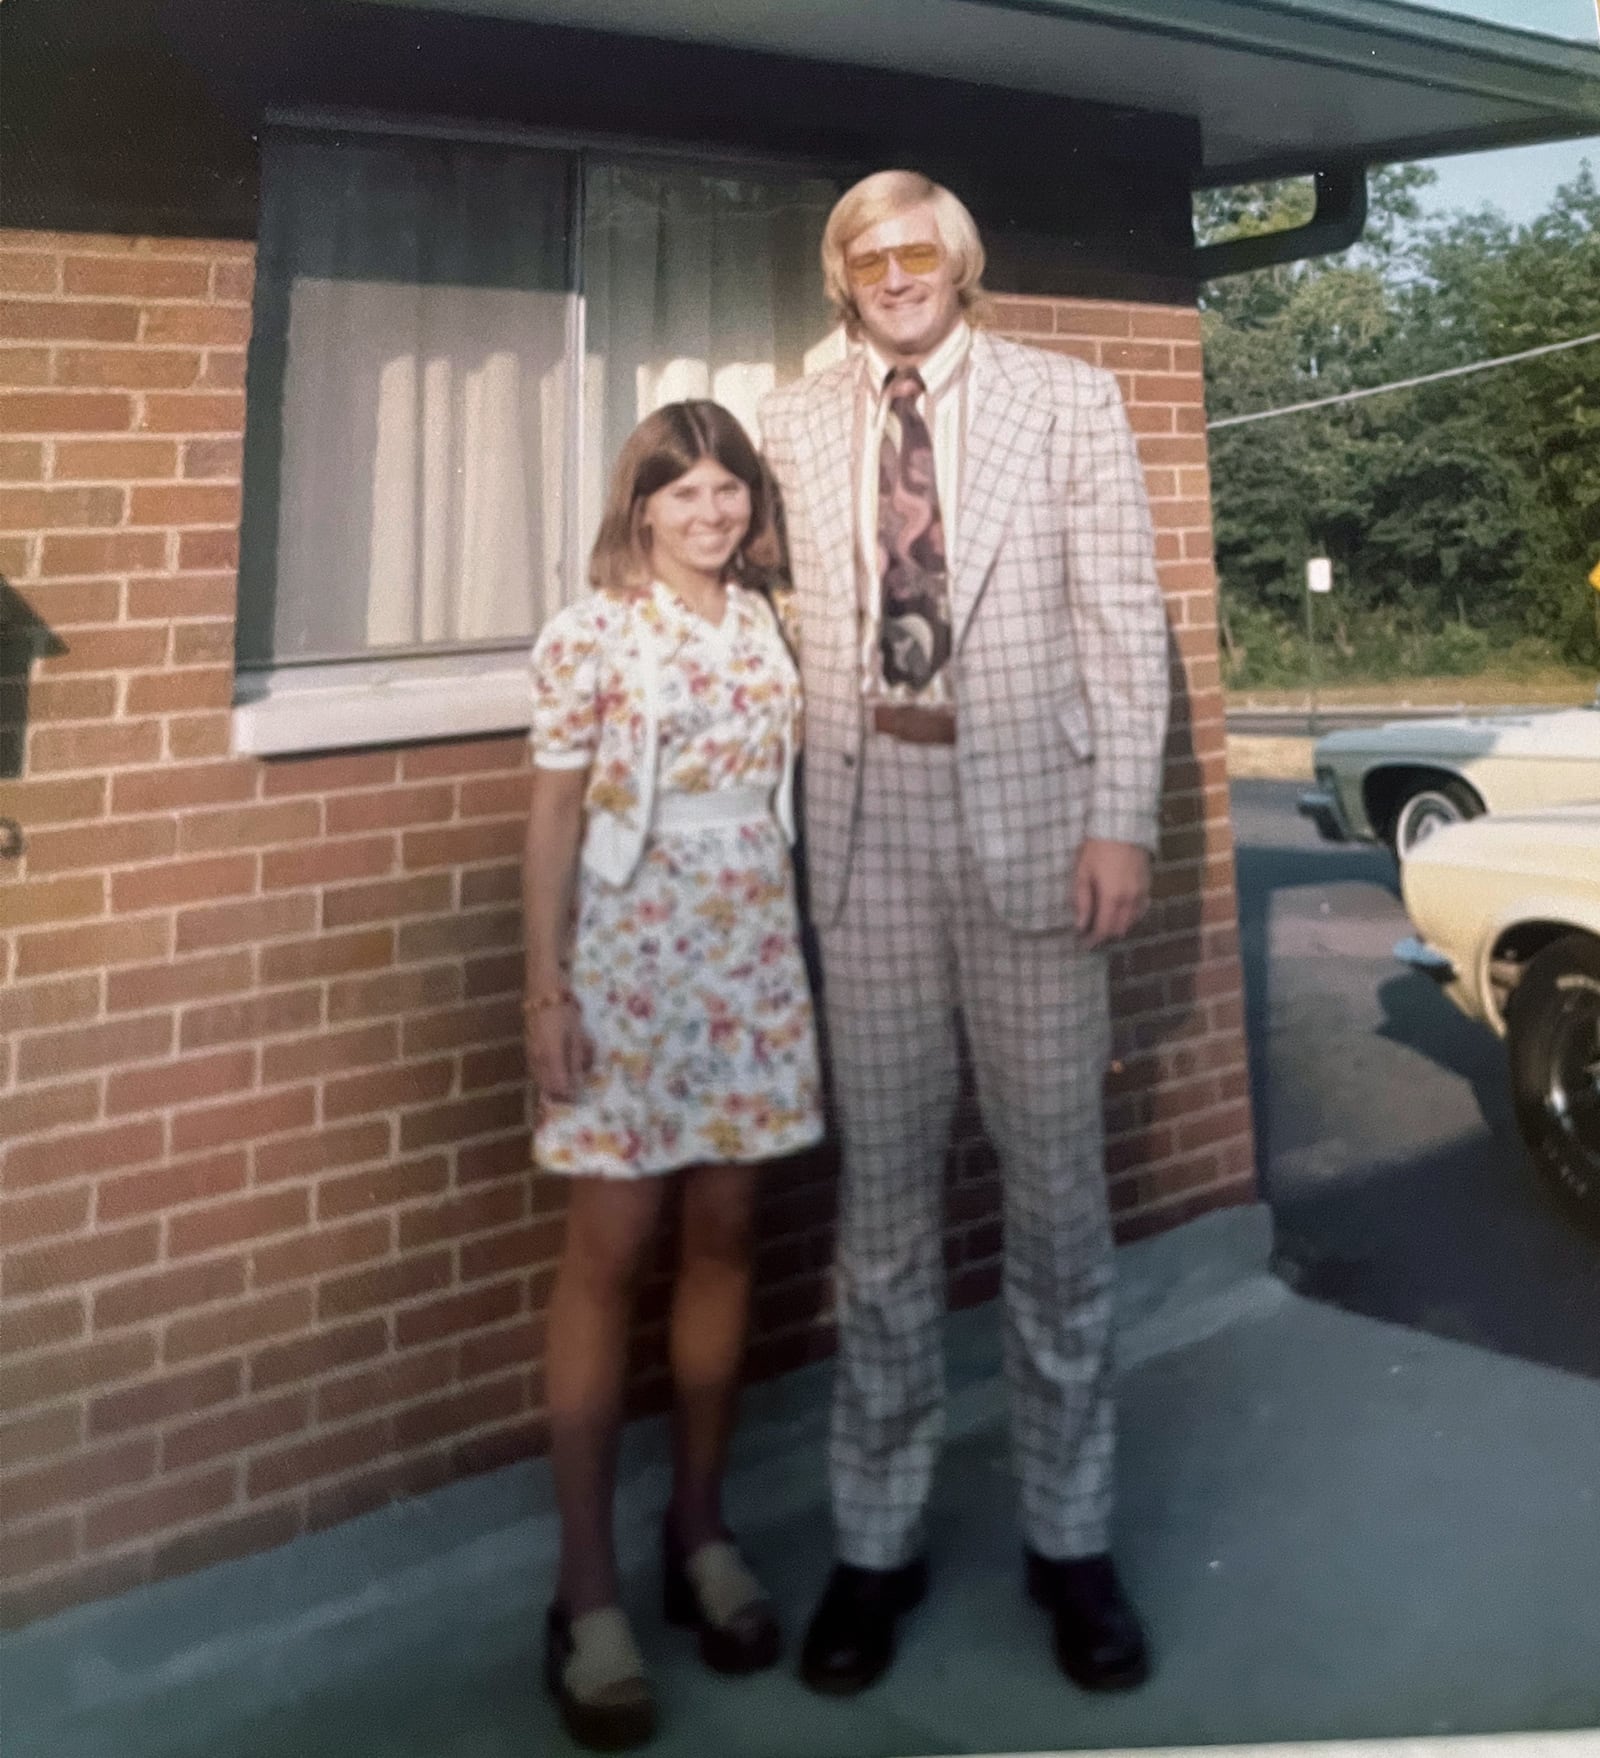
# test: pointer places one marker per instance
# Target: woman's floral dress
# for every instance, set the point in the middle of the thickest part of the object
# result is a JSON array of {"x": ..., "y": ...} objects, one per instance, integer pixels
[{"x": 689, "y": 976}]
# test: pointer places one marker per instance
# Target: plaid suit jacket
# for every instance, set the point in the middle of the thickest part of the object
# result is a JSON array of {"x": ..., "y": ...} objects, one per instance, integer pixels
[{"x": 1060, "y": 672}]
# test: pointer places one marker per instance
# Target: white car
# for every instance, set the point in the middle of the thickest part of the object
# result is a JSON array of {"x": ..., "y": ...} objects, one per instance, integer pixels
[
  {"x": 1399, "y": 782},
  {"x": 1507, "y": 910}
]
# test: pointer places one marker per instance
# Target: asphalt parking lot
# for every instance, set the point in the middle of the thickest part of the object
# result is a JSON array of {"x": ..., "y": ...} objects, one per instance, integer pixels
[{"x": 1387, "y": 1147}]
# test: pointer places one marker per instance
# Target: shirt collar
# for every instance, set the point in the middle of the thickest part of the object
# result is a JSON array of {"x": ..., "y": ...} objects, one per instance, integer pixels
[
  {"x": 672, "y": 611},
  {"x": 937, "y": 370}
]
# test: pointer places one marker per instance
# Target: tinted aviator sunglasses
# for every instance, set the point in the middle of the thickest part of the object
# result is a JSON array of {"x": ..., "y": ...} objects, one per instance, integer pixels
[{"x": 914, "y": 259}]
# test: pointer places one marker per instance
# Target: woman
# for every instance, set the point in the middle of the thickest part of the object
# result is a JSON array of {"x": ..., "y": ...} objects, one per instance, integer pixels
[{"x": 669, "y": 1025}]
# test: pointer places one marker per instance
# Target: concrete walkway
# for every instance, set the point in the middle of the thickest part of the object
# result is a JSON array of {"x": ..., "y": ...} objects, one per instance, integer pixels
[{"x": 1336, "y": 1528}]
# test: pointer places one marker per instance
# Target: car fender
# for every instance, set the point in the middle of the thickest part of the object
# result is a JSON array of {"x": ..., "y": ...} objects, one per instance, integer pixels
[
  {"x": 1577, "y": 915},
  {"x": 1468, "y": 771}
]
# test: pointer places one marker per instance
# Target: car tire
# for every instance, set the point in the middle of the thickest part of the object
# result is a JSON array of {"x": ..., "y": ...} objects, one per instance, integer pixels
[
  {"x": 1429, "y": 809},
  {"x": 1553, "y": 1033}
]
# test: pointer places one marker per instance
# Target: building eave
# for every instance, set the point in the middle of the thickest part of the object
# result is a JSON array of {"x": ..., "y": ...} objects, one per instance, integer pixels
[{"x": 1369, "y": 80}]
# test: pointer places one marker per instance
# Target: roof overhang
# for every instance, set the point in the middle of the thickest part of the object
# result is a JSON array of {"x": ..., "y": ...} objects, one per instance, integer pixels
[
  {"x": 1278, "y": 87},
  {"x": 1075, "y": 129}
]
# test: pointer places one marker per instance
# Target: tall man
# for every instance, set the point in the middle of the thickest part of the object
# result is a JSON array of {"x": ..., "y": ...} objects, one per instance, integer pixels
[{"x": 984, "y": 655}]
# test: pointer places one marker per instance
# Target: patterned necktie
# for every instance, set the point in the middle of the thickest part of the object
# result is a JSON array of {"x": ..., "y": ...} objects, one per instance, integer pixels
[{"x": 914, "y": 636}]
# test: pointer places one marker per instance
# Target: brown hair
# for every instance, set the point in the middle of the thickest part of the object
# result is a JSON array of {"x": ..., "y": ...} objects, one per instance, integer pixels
[
  {"x": 663, "y": 447},
  {"x": 880, "y": 197}
]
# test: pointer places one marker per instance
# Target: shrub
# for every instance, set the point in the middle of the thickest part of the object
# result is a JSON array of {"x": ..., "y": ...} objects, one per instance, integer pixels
[
  {"x": 1456, "y": 651},
  {"x": 1264, "y": 650}
]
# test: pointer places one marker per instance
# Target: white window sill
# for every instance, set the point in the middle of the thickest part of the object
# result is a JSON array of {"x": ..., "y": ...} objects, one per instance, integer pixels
[{"x": 380, "y": 702}]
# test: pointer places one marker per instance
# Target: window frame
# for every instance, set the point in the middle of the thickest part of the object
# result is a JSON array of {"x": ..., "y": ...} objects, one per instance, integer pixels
[{"x": 416, "y": 694}]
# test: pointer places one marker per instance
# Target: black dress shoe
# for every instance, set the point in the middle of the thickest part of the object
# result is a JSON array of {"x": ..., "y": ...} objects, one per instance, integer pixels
[
  {"x": 851, "y": 1639},
  {"x": 1099, "y": 1643}
]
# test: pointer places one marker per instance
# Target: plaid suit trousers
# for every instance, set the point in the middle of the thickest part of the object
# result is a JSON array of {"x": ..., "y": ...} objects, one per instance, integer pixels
[{"x": 917, "y": 940}]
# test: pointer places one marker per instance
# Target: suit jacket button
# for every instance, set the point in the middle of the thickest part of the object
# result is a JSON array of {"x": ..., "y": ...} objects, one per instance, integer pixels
[{"x": 848, "y": 759}]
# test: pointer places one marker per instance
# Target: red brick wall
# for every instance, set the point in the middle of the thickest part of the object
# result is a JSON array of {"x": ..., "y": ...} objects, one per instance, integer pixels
[{"x": 272, "y": 1253}]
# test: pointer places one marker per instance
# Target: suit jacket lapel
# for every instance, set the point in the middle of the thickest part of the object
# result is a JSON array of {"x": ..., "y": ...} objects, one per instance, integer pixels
[
  {"x": 1008, "y": 419},
  {"x": 831, "y": 475}
]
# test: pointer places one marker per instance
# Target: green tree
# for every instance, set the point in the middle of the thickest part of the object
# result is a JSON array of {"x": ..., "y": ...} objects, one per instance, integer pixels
[
  {"x": 1473, "y": 499},
  {"x": 1543, "y": 285}
]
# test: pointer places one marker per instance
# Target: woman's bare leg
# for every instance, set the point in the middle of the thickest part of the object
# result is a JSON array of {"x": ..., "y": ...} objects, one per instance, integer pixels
[
  {"x": 710, "y": 1319},
  {"x": 610, "y": 1224}
]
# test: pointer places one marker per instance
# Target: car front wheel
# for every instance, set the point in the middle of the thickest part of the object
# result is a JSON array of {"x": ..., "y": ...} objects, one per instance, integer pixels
[
  {"x": 1553, "y": 1027},
  {"x": 1429, "y": 810}
]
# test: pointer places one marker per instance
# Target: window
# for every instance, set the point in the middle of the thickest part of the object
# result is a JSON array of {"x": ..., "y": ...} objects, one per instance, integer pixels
[{"x": 452, "y": 339}]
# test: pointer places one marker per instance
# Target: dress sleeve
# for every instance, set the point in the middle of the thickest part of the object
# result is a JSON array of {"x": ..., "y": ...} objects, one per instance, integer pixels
[{"x": 565, "y": 682}]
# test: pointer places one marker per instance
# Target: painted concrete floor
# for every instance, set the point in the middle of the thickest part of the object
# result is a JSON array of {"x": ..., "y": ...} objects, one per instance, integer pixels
[{"x": 1336, "y": 1528}]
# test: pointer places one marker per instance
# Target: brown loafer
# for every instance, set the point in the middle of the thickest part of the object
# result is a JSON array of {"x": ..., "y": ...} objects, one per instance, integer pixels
[
  {"x": 712, "y": 1592},
  {"x": 594, "y": 1672}
]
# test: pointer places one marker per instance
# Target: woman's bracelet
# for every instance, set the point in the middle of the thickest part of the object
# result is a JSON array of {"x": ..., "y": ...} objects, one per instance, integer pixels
[{"x": 562, "y": 997}]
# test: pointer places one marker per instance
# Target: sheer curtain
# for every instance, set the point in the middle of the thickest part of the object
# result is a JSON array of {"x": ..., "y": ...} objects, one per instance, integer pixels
[
  {"x": 409, "y": 477},
  {"x": 695, "y": 285},
  {"x": 406, "y": 456}
]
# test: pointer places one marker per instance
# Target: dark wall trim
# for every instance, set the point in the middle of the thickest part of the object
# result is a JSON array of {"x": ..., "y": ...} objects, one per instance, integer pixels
[
  {"x": 147, "y": 121},
  {"x": 1336, "y": 223}
]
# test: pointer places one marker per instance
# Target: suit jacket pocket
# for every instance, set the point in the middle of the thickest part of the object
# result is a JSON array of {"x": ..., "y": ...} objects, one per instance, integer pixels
[{"x": 1076, "y": 727}]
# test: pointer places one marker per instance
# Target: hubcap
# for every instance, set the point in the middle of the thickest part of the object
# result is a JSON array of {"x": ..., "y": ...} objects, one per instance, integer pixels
[
  {"x": 1425, "y": 823},
  {"x": 1422, "y": 816},
  {"x": 1572, "y": 1092}
]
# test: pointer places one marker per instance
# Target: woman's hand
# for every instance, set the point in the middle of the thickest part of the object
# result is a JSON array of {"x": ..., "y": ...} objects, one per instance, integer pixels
[{"x": 560, "y": 1051}]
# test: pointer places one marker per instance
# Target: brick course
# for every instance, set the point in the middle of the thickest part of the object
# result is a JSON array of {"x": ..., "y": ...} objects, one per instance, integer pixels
[{"x": 273, "y": 1254}]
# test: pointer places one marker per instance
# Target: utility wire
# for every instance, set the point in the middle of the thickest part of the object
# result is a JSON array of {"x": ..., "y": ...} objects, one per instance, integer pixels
[{"x": 1404, "y": 384}]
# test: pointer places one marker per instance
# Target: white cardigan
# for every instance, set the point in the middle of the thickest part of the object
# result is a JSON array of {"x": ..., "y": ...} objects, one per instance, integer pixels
[{"x": 633, "y": 642}]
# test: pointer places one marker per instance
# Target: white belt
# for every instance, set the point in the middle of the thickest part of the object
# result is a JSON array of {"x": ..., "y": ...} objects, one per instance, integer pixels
[{"x": 728, "y": 805}]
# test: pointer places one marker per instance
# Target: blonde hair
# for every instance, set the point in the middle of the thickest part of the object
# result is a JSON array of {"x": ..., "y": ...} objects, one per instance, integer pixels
[
  {"x": 663, "y": 447},
  {"x": 880, "y": 197}
]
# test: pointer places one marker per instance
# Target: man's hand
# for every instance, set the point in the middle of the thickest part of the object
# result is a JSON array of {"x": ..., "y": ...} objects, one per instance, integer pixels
[{"x": 1111, "y": 890}]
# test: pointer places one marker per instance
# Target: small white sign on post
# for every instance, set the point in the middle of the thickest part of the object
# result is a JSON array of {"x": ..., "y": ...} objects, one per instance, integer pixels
[{"x": 1319, "y": 574}]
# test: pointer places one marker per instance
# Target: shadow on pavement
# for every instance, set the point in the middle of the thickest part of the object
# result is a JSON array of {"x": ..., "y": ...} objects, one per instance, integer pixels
[
  {"x": 1419, "y": 1018},
  {"x": 1262, "y": 872},
  {"x": 1457, "y": 1243},
  {"x": 1395, "y": 1194}
]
